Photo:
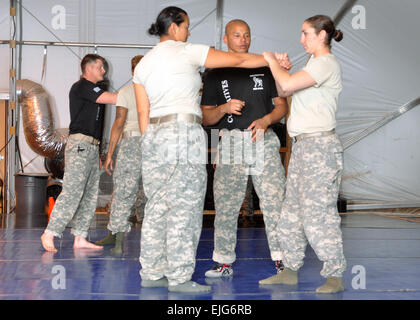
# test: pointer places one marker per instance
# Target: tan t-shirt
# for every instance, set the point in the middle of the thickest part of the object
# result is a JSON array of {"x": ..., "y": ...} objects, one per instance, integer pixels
[
  {"x": 127, "y": 99},
  {"x": 170, "y": 75},
  {"x": 313, "y": 109}
]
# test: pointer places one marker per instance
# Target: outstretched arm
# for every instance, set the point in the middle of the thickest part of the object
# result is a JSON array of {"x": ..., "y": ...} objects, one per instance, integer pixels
[
  {"x": 287, "y": 83},
  {"x": 222, "y": 59},
  {"x": 107, "y": 98}
]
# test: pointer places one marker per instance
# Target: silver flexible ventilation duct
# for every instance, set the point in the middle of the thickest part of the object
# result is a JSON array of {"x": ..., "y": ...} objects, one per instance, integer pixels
[{"x": 38, "y": 124}]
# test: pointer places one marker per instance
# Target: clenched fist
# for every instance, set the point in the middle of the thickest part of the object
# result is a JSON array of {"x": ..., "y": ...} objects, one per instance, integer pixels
[{"x": 234, "y": 106}]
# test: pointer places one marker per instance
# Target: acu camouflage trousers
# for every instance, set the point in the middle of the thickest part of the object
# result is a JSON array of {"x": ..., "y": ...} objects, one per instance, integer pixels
[
  {"x": 78, "y": 197},
  {"x": 127, "y": 184},
  {"x": 174, "y": 174},
  {"x": 309, "y": 212},
  {"x": 230, "y": 181}
]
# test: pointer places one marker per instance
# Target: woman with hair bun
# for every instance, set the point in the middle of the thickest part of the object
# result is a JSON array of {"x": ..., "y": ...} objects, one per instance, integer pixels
[
  {"x": 309, "y": 212},
  {"x": 174, "y": 154}
]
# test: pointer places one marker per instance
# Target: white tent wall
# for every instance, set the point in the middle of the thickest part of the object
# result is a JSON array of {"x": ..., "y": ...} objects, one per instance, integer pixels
[
  {"x": 380, "y": 71},
  {"x": 379, "y": 62},
  {"x": 123, "y": 22}
]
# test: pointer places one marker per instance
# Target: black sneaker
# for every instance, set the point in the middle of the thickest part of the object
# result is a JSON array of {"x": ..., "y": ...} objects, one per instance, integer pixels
[
  {"x": 220, "y": 270},
  {"x": 279, "y": 266}
]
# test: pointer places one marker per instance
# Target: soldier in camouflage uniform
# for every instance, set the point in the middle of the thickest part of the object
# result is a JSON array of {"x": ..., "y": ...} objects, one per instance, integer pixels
[
  {"x": 174, "y": 155},
  {"x": 240, "y": 101},
  {"x": 127, "y": 175},
  {"x": 173, "y": 158},
  {"x": 78, "y": 198},
  {"x": 309, "y": 211}
]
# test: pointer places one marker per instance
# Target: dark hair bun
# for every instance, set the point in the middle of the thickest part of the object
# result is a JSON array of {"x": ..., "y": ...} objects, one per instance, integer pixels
[
  {"x": 154, "y": 29},
  {"x": 338, "y": 35},
  {"x": 164, "y": 20}
]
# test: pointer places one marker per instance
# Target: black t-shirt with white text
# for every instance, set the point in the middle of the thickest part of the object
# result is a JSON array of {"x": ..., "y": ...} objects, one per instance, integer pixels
[
  {"x": 254, "y": 86},
  {"x": 86, "y": 116}
]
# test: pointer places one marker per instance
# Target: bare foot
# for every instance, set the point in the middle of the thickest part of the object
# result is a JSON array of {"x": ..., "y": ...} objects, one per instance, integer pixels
[
  {"x": 47, "y": 240},
  {"x": 82, "y": 243}
]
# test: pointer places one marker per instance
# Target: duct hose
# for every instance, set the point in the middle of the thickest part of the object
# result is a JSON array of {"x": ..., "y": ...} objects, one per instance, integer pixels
[{"x": 37, "y": 119}]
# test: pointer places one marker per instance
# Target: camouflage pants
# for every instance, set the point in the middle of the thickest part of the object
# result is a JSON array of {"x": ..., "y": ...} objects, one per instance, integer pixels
[
  {"x": 309, "y": 211},
  {"x": 174, "y": 181},
  {"x": 230, "y": 182},
  {"x": 127, "y": 182},
  {"x": 78, "y": 197}
]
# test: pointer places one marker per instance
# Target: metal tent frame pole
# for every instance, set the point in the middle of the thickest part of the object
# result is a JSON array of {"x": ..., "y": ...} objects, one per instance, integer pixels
[
  {"x": 11, "y": 114},
  {"x": 219, "y": 25},
  {"x": 80, "y": 44},
  {"x": 382, "y": 205}
]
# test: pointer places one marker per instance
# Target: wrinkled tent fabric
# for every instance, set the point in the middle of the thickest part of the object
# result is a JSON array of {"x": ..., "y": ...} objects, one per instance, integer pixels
[{"x": 379, "y": 62}]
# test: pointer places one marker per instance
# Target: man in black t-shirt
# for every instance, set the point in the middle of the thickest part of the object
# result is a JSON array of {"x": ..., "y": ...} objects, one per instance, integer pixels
[
  {"x": 77, "y": 200},
  {"x": 240, "y": 103}
]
